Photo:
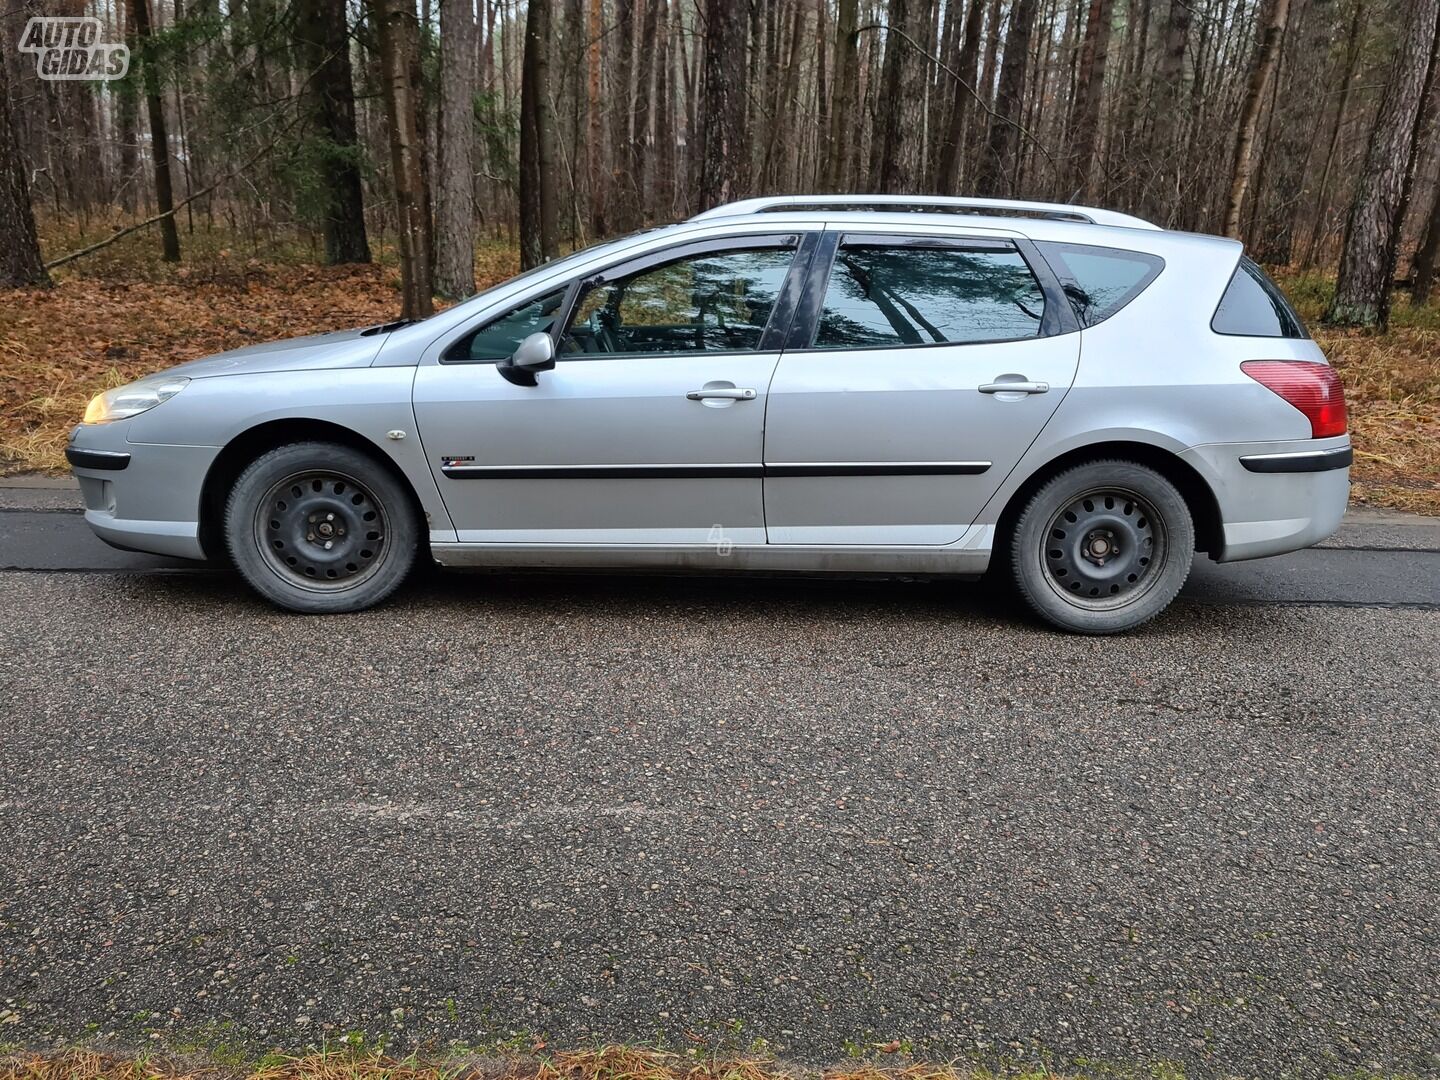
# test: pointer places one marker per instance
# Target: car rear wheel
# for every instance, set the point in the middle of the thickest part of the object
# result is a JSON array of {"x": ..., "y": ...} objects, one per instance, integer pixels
[
  {"x": 321, "y": 528},
  {"x": 1102, "y": 547}
]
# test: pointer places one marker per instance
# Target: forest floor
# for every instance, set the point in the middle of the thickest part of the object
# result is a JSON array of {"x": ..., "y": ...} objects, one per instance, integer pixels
[{"x": 121, "y": 313}]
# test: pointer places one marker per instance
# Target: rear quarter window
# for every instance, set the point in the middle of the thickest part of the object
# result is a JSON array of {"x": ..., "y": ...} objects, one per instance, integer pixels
[
  {"x": 1254, "y": 306},
  {"x": 1099, "y": 281}
]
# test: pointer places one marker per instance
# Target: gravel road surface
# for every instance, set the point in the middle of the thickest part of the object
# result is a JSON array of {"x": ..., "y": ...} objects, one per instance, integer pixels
[{"x": 822, "y": 814}]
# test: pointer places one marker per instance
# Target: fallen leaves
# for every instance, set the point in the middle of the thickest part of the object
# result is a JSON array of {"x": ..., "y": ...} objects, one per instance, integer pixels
[{"x": 61, "y": 346}]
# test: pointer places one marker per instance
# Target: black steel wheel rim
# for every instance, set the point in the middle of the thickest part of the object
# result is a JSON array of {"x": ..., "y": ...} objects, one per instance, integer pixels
[
  {"x": 321, "y": 530},
  {"x": 1104, "y": 549}
]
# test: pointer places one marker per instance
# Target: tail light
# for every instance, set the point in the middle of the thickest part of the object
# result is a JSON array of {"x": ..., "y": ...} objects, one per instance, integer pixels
[{"x": 1312, "y": 388}]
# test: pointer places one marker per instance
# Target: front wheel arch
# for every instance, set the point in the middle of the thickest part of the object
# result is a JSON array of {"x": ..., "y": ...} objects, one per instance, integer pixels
[
  {"x": 262, "y": 438},
  {"x": 1199, "y": 498}
]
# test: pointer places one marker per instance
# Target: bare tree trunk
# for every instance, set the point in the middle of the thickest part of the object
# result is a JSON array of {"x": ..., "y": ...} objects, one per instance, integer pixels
[
  {"x": 1322, "y": 191},
  {"x": 893, "y": 152},
  {"x": 641, "y": 162},
  {"x": 844, "y": 140},
  {"x": 125, "y": 108},
  {"x": 947, "y": 169},
  {"x": 1167, "y": 137},
  {"x": 398, "y": 31},
  {"x": 622, "y": 106},
  {"x": 725, "y": 157},
  {"x": 1297, "y": 126},
  {"x": 595, "y": 139},
  {"x": 1265, "y": 61},
  {"x": 781, "y": 146},
  {"x": 1425, "y": 257},
  {"x": 1425, "y": 122},
  {"x": 539, "y": 240},
  {"x": 547, "y": 132},
  {"x": 663, "y": 195},
  {"x": 1422, "y": 266},
  {"x": 998, "y": 165},
  {"x": 455, "y": 231},
  {"x": 324, "y": 46},
  {"x": 1367, "y": 262},
  {"x": 159, "y": 140},
  {"x": 20, "y": 262},
  {"x": 1090, "y": 84}
]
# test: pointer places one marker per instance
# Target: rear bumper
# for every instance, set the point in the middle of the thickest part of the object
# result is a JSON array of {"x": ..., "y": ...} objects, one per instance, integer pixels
[
  {"x": 1300, "y": 461},
  {"x": 1275, "y": 497}
]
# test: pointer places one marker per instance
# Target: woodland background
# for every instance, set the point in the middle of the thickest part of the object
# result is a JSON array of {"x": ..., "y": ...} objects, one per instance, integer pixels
[{"x": 270, "y": 168}]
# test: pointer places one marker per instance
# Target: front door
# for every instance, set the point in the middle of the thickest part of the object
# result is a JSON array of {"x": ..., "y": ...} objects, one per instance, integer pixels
[
  {"x": 923, "y": 369},
  {"x": 650, "y": 428}
]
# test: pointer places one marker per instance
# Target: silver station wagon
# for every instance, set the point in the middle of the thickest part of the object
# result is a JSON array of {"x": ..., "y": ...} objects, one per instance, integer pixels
[{"x": 1068, "y": 397}]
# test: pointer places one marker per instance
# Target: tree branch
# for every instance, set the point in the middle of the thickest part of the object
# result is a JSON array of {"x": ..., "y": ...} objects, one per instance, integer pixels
[
  {"x": 954, "y": 75},
  {"x": 72, "y": 256}
]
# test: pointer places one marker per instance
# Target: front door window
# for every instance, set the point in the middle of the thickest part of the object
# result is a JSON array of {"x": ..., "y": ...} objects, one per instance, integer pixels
[
  {"x": 502, "y": 335},
  {"x": 716, "y": 302}
]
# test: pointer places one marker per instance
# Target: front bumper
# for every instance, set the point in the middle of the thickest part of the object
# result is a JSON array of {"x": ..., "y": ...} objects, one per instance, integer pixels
[
  {"x": 103, "y": 460},
  {"x": 140, "y": 496},
  {"x": 1275, "y": 497}
]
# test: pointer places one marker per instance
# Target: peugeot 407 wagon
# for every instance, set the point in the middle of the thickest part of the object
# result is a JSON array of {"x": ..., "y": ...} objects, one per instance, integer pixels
[{"x": 1069, "y": 397}]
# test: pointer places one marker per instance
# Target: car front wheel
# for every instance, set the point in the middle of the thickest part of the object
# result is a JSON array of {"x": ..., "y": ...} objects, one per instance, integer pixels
[
  {"x": 321, "y": 528},
  {"x": 1102, "y": 547}
]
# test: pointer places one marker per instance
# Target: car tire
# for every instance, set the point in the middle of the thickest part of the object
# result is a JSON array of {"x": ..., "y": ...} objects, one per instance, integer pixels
[
  {"x": 321, "y": 528},
  {"x": 1102, "y": 547}
]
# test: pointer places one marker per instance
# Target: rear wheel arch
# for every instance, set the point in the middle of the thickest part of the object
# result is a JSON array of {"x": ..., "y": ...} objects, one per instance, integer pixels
[
  {"x": 250, "y": 444},
  {"x": 1199, "y": 498}
]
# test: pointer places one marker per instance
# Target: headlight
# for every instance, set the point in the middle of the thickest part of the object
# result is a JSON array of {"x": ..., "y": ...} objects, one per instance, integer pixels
[{"x": 133, "y": 398}]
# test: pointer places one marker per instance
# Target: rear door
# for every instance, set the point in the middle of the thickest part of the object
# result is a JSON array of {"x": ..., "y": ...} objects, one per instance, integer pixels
[{"x": 918, "y": 371}]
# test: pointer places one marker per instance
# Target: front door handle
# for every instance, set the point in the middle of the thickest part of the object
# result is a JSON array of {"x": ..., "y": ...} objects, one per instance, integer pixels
[
  {"x": 725, "y": 393},
  {"x": 1017, "y": 387}
]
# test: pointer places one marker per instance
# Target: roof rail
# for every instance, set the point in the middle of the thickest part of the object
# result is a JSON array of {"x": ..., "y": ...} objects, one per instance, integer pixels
[{"x": 1061, "y": 211}]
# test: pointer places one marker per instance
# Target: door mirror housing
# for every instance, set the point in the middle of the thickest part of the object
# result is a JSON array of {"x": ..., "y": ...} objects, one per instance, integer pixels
[{"x": 535, "y": 353}]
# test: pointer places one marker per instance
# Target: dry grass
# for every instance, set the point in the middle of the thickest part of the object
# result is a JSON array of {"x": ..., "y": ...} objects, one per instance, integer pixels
[
  {"x": 121, "y": 313},
  {"x": 604, "y": 1063},
  {"x": 1392, "y": 387}
]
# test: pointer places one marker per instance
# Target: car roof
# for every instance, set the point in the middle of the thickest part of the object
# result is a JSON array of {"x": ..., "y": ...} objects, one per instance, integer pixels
[
  {"x": 1057, "y": 222},
  {"x": 943, "y": 204}
]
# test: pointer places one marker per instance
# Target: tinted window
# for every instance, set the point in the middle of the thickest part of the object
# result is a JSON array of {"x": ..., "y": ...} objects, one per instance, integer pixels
[
  {"x": 1100, "y": 281},
  {"x": 1253, "y": 306},
  {"x": 717, "y": 302},
  {"x": 880, "y": 297},
  {"x": 499, "y": 337}
]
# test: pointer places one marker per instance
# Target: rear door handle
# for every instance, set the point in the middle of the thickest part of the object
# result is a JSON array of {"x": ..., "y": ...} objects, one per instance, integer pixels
[
  {"x": 1014, "y": 387},
  {"x": 727, "y": 393}
]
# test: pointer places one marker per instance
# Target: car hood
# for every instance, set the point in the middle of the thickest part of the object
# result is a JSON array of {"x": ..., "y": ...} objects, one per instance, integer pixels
[{"x": 338, "y": 349}]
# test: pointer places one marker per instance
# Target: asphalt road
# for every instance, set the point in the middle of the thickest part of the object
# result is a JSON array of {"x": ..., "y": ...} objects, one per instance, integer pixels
[{"x": 821, "y": 814}]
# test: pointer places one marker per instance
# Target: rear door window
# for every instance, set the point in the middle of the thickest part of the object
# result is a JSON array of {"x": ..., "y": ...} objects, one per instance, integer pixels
[
  {"x": 879, "y": 296},
  {"x": 1099, "y": 281},
  {"x": 1254, "y": 306}
]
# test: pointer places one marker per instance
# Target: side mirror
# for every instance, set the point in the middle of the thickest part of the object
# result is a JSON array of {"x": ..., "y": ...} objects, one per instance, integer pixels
[{"x": 535, "y": 353}]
